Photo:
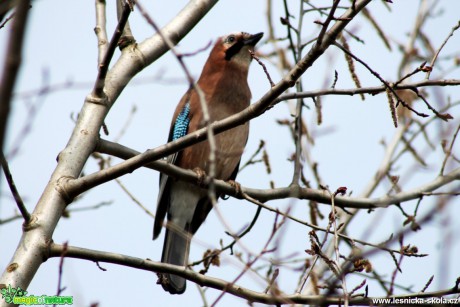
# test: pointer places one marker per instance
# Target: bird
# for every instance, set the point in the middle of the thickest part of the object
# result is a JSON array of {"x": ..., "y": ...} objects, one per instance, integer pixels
[{"x": 223, "y": 81}]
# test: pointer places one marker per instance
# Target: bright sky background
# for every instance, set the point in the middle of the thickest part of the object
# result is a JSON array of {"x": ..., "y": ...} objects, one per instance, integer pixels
[{"x": 61, "y": 47}]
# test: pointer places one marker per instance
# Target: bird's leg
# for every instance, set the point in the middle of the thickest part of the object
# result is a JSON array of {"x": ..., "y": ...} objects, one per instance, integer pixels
[
  {"x": 162, "y": 280},
  {"x": 201, "y": 176}
]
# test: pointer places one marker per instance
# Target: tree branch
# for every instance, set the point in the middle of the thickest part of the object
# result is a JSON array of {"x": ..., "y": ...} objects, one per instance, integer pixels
[
  {"x": 366, "y": 90},
  {"x": 17, "y": 197},
  {"x": 107, "y": 57},
  {"x": 70, "y": 187},
  {"x": 12, "y": 64},
  {"x": 56, "y": 250},
  {"x": 101, "y": 30},
  {"x": 264, "y": 194},
  {"x": 49, "y": 209}
]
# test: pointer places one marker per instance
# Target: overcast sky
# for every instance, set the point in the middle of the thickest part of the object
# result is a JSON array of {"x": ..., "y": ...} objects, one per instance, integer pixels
[{"x": 61, "y": 48}]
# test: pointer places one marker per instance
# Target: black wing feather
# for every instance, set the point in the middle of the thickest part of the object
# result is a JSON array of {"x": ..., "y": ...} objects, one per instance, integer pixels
[{"x": 163, "y": 194}]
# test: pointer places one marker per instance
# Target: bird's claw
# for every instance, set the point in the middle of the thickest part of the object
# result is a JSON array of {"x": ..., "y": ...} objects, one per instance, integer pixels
[
  {"x": 161, "y": 279},
  {"x": 236, "y": 186},
  {"x": 201, "y": 175}
]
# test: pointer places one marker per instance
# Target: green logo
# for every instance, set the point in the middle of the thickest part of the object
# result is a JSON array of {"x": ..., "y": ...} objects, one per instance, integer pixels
[{"x": 18, "y": 296}]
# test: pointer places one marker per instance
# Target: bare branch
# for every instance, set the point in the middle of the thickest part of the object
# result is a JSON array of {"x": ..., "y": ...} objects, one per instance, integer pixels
[
  {"x": 205, "y": 113},
  {"x": 272, "y": 84},
  {"x": 14, "y": 191},
  {"x": 449, "y": 150},
  {"x": 455, "y": 28},
  {"x": 387, "y": 85},
  {"x": 11, "y": 66},
  {"x": 365, "y": 90},
  {"x": 83, "y": 140},
  {"x": 70, "y": 187},
  {"x": 61, "y": 268},
  {"x": 126, "y": 37},
  {"x": 269, "y": 194},
  {"x": 55, "y": 250},
  {"x": 104, "y": 64},
  {"x": 101, "y": 30}
]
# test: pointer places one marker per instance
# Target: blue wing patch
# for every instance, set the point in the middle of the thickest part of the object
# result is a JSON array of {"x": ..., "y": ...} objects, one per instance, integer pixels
[{"x": 181, "y": 124}]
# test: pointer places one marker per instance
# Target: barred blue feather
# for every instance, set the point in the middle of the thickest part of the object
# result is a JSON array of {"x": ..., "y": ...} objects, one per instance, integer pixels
[{"x": 181, "y": 124}]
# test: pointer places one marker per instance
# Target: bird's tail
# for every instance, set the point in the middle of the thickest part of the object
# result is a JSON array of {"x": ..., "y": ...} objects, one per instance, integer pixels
[{"x": 176, "y": 249}]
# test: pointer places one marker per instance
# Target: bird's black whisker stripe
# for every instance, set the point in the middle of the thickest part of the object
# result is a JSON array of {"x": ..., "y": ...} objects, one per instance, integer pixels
[{"x": 233, "y": 50}]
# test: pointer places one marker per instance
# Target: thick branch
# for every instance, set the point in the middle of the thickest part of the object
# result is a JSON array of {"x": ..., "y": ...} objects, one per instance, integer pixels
[
  {"x": 38, "y": 232},
  {"x": 264, "y": 195},
  {"x": 219, "y": 284},
  {"x": 72, "y": 187},
  {"x": 101, "y": 30}
]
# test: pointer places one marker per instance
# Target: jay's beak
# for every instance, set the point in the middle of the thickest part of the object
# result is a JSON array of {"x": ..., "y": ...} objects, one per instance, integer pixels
[{"x": 253, "y": 39}]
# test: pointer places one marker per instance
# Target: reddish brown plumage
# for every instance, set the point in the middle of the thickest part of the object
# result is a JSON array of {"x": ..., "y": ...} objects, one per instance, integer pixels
[{"x": 226, "y": 91}]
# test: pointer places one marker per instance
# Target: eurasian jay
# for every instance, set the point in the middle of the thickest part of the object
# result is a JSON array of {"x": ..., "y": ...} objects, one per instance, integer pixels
[{"x": 226, "y": 91}]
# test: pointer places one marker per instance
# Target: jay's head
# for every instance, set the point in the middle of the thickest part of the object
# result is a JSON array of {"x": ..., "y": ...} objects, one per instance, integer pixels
[{"x": 235, "y": 47}]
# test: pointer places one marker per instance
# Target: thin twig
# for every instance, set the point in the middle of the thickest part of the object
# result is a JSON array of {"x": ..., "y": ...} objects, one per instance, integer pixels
[
  {"x": 418, "y": 69},
  {"x": 272, "y": 280},
  {"x": 193, "y": 53},
  {"x": 126, "y": 37},
  {"x": 253, "y": 55},
  {"x": 365, "y": 90},
  {"x": 133, "y": 198},
  {"x": 387, "y": 85},
  {"x": 408, "y": 50},
  {"x": 449, "y": 151},
  {"x": 333, "y": 218},
  {"x": 285, "y": 21},
  {"x": 428, "y": 283},
  {"x": 126, "y": 125},
  {"x": 202, "y": 294},
  {"x": 215, "y": 283},
  {"x": 252, "y": 160},
  {"x": 104, "y": 65},
  {"x": 10, "y": 219},
  {"x": 455, "y": 28},
  {"x": 6, "y": 20},
  {"x": 90, "y": 208},
  {"x": 298, "y": 131},
  {"x": 14, "y": 191},
  {"x": 325, "y": 25},
  {"x": 275, "y": 228},
  {"x": 236, "y": 238},
  {"x": 61, "y": 269}
]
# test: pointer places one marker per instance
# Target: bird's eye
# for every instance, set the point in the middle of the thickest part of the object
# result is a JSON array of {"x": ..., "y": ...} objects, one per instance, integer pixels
[{"x": 231, "y": 39}]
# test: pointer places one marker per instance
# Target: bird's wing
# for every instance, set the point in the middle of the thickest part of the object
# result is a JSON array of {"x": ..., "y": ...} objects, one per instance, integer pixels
[
  {"x": 235, "y": 171},
  {"x": 237, "y": 168},
  {"x": 179, "y": 128}
]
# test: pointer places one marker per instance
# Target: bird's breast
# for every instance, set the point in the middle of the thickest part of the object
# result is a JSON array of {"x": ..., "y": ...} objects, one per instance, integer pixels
[
  {"x": 229, "y": 146},
  {"x": 226, "y": 97}
]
